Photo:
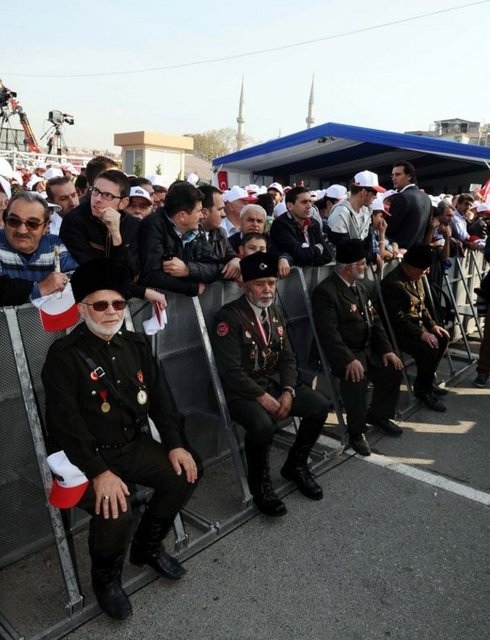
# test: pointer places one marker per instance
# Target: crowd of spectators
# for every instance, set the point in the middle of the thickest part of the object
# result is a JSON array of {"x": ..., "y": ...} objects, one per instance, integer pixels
[{"x": 182, "y": 237}]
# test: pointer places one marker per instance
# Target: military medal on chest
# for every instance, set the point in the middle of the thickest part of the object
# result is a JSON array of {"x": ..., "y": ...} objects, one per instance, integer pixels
[
  {"x": 105, "y": 407},
  {"x": 141, "y": 396}
]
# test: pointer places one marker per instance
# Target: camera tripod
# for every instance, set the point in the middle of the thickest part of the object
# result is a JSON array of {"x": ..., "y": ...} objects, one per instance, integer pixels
[
  {"x": 9, "y": 137},
  {"x": 55, "y": 140}
]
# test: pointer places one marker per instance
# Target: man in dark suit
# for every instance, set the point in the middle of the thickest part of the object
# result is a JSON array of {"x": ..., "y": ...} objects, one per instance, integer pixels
[
  {"x": 410, "y": 208},
  {"x": 415, "y": 330},
  {"x": 356, "y": 346},
  {"x": 297, "y": 234},
  {"x": 258, "y": 370}
]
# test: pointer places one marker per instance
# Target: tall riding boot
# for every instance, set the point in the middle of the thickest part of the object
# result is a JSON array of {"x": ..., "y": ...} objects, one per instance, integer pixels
[
  {"x": 259, "y": 479},
  {"x": 106, "y": 583},
  {"x": 296, "y": 466},
  {"x": 147, "y": 548}
]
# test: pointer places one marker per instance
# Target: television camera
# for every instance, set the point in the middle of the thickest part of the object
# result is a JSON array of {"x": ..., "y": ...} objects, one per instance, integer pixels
[{"x": 58, "y": 118}]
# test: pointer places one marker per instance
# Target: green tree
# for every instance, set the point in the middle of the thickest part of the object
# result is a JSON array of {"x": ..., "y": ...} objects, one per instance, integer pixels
[
  {"x": 214, "y": 143},
  {"x": 137, "y": 168}
]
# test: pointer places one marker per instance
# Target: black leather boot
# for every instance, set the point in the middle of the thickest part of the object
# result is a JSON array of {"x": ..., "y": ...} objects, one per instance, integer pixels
[
  {"x": 147, "y": 548},
  {"x": 259, "y": 479},
  {"x": 296, "y": 466},
  {"x": 106, "y": 583}
]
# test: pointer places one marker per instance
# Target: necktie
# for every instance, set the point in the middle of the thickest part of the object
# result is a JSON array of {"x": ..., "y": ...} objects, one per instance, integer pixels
[{"x": 264, "y": 319}]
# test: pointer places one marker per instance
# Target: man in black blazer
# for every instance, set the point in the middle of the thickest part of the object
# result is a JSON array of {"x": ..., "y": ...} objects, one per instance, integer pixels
[
  {"x": 356, "y": 346},
  {"x": 297, "y": 234},
  {"x": 410, "y": 208}
]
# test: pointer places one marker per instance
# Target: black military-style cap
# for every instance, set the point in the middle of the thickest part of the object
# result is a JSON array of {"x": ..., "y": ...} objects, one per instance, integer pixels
[
  {"x": 258, "y": 265},
  {"x": 101, "y": 273},
  {"x": 421, "y": 256}
]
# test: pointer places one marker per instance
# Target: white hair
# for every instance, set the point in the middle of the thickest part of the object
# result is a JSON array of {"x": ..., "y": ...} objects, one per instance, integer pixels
[{"x": 253, "y": 207}]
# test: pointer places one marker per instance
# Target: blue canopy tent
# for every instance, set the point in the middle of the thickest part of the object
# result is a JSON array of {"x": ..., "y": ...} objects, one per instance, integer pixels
[{"x": 333, "y": 153}]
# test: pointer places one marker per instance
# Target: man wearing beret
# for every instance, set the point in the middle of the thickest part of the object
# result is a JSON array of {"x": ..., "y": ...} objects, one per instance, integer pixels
[
  {"x": 101, "y": 385},
  {"x": 260, "y": 379},
  {"x": 356, "y": 346},
  {"x": 415, "y": 330}
]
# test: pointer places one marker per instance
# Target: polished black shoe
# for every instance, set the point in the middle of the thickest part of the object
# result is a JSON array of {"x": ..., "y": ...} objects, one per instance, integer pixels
[
  {"x": 112, "y": 599},
  {"x": 439, "y": 391},
  {"x": 431, "y": 401},
  {"x": 161, "y": 562},
  {"x": 303, "y": 479},
  {"x": 360, "y": 445},
  {"x": 386, "y": 424},
  {"x": 268, "y": 502}
]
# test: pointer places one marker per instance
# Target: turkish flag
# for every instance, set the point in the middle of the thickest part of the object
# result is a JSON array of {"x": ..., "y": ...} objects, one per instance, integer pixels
[{"x": 223, "y": 180}]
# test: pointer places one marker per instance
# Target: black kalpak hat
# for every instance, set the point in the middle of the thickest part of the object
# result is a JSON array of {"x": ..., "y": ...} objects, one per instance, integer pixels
[
  {"x": 101, "y": 273},
  {"x": 350, "y": 251},
  {"x": 420, "y": 256},
  {"x": 258, "y": 265}
]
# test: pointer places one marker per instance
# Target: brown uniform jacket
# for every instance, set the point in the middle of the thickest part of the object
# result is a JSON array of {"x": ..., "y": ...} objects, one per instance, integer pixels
[
  {"x": 405, "y": 304},
  {"x": 246, "y": 368}
]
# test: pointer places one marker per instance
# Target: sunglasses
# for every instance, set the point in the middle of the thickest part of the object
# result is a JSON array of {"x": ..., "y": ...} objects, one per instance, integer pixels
[
  {"x": 32, "y": 225},
  {"x": 103, "y": 305}
]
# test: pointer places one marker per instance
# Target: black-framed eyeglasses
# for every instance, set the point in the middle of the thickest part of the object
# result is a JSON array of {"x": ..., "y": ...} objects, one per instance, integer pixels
[
  {"x": 32, "y": 225},
  {"x": 105, "y": 195},
  {"x": 103, "y": 305}
]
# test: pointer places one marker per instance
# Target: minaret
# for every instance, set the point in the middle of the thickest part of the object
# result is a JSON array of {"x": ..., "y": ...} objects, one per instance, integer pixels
[
  {"x": 240, "y": 136},
  {"x": 310, "y": 120}
]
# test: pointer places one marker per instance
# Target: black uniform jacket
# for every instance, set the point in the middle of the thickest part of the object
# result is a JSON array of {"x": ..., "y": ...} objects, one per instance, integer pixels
[
  {"x": 410, "y": 213},
  {"x": 405, "y": 304},
  {"x": 287, "y": 237},
  {"x": 246, "y": 367},
  {"x": 159, "y": 241},
  {"x": 75, "y": 419},
  {"x": 14, "y": 291},
  {"x": 347, "y": 324}
]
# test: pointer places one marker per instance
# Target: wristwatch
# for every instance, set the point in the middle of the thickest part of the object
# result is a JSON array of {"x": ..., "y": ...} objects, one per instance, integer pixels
[{"x": 290, "y": 390}]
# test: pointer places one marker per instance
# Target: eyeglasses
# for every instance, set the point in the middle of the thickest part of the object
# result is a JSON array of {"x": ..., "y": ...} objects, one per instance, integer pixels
[
  {"x": 32, "y": 225},
  {"x": 105, "y": 195},
  {"x": 103, "y": 305}
]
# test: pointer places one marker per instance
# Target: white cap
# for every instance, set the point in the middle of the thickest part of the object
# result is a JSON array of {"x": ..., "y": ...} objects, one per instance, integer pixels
[
  {"x": 378, "y": 204},
  {"x": 5, "y": 187},
  {"x": 17, "y": 176},
  {"x": 483, "y": 206},
  {"x": 53, "y": 172},
  {"x": 33, "y": 181},
  {"x": 193, "y": 179},
  {"x": 335, "y": 191},
  {"x": 54, "y": 207},
  {"x": 5, "y": 168},
  {"x": 252, "y": 189},
  {"x": 277, "y": 186},
  {"x": 388, "y": 193},
  {"x": 139, "y": 192},
  {"x": 73, "y": 170},
  {"x": 237, "y": 193},
  {"x": 368, "y": 180}
]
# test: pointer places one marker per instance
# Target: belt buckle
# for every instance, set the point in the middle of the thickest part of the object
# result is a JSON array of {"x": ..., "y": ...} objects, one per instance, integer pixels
[{"x": 99, "y": 372}]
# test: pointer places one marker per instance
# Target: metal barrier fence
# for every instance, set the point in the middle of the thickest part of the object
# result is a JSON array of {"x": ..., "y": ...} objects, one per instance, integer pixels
[{"x": 35, "y": 538}]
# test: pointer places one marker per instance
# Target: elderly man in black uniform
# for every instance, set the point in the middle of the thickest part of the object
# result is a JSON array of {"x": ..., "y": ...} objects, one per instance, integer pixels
[
  {"x": 356, "y": 346},
  {"x": 260, "y": 379},
  {"x": 101, "y": 385},
  {"x": 416, "y": 331}
]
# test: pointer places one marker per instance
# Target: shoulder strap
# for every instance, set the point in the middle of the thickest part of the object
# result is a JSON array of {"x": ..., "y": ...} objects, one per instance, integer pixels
[{"x": 107, "y": 383}]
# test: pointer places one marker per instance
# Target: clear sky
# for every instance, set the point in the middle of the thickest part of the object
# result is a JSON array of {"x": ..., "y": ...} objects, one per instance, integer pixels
[{"x": 398, "y": 77}]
